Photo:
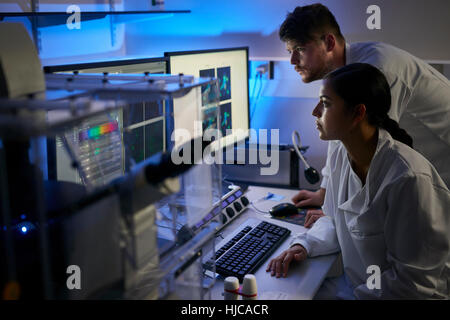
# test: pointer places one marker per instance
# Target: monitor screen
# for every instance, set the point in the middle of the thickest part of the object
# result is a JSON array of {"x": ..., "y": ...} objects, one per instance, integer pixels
[
  {"x": 143, "y": 125},
  {"x": 230, "y": 67}
]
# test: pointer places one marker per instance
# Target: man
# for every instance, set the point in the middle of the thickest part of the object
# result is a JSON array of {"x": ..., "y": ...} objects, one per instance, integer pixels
[{"x": 420, "y": 94}]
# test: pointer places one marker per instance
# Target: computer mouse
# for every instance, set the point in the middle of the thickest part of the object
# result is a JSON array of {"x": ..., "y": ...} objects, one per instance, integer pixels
[{"x": 283, "y": 210}]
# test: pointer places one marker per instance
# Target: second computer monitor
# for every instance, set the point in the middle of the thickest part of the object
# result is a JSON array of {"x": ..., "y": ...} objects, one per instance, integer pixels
[
  {"x": 230, "y": 67},
  {"x": 143, "y": 124}
]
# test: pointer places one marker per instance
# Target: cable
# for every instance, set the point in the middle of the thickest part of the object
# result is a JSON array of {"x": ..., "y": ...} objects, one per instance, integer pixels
[
  {"x": 297, "y": 146},
  {"x": 311, "y": 174},
  {"x": 266, "y": 197},
  {"x": 259, "y": 77},
  {"x": 254, "y": 85},
  {"x": 260, "y": 211}
]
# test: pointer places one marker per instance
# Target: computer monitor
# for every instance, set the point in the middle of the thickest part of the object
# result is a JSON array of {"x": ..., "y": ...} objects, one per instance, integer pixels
[
  {"x": 230, "y": 66},
  {"x": 143, "y": 124}
]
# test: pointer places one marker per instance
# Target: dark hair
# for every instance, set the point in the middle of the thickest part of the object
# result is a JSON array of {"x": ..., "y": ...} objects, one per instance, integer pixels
[
  {"x": 308, "y": 23},
  {"x": 362, "y": 83}
]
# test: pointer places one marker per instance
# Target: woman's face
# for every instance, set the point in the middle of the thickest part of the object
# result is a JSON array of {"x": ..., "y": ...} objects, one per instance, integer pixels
[{"x": 334, "y": 120}]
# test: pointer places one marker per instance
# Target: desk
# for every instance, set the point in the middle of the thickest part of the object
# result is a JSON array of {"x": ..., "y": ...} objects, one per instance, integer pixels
[{"x": 303, "y": 279}]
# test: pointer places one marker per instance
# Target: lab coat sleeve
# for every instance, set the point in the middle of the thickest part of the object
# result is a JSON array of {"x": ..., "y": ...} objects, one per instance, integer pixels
[
  {"x": 417, "y": 239},
  {"x": 400, "y": 95},
  {"x": 321, "y": 239},
  {"x": 326, "y": 171}
]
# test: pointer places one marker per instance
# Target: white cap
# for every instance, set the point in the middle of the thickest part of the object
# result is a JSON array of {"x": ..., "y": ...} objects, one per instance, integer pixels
[
  {"x": 231, "y": 284},
  {"x": 249, "y": 288}
]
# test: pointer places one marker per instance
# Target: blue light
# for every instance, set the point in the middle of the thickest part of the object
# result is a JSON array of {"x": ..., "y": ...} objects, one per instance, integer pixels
[
  {"x": 23, "y": 216},
  {"x": 25, "y": 227}
]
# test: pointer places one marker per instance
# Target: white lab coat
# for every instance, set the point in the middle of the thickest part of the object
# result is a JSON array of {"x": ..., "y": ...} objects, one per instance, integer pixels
[
  {"x": 399, "y": 220},
  {"x": 420, "y": 100}
]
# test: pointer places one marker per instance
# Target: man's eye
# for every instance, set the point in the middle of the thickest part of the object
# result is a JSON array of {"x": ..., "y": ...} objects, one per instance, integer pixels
[
  {"x": 325, "y": 104},
  {"x": 299, "y": 49}
]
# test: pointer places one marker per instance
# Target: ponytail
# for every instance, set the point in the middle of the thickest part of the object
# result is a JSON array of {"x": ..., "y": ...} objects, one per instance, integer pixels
[
  {"x": 362, "y": 83},
  {"x": 396, "y": 132}
]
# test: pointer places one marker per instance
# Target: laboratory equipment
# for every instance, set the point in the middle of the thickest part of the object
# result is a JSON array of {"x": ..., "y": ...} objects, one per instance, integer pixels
[{"x": 114, "y": 234}]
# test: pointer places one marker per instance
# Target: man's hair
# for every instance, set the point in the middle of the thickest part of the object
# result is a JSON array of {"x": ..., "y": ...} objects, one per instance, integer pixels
[{"x": 309, "y": 23}]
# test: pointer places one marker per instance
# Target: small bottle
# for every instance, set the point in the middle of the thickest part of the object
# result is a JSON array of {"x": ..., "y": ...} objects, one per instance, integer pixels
[
  {"x": 231, "y": 288},
  {"x": 249, "y": 289}
]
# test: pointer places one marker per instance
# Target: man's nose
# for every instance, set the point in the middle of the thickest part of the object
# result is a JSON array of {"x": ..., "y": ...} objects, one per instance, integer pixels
[{"x": 294, "y": 58}]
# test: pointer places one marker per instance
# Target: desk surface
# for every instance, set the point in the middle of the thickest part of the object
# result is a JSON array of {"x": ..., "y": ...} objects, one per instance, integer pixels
[{"x": 303, "y": 279}]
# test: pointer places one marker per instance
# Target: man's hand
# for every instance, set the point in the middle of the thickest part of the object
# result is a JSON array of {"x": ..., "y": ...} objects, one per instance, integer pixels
[
  {"x": 281, "y": 263},
  {"x": 312, "y": 216},
  {"x": 307, "y": 198}
]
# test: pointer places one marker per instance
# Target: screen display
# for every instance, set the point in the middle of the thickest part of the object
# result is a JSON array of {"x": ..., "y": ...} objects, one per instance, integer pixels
[
  {"x": 230, "y": 67},
  {"x": 143, "y": 124}
]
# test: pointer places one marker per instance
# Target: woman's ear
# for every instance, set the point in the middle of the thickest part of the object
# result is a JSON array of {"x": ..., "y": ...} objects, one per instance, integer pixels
[{"x": 359, "y": 113}]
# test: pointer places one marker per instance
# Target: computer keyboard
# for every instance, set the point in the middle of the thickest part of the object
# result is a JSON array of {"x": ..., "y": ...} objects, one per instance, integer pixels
[{"x": 248, "y": 249}]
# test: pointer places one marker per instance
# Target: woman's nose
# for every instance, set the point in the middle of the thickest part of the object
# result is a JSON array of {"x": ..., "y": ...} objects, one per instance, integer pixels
[{"x": 317, "y": 112}]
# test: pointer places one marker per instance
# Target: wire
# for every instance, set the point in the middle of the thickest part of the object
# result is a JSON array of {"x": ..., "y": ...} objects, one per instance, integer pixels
[
  {"x": 298, "y": 145},
  {"x": 259, "y": 77},
  {"x": 254, "y": 85},
  {"x": 311, "y": 174},
  {"x": 225, "y": 179},
  {"x": 259, "y": 211},
  {"x": 269, "y": 195}
]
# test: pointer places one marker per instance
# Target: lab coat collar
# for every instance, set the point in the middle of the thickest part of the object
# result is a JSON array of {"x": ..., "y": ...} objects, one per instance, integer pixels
[{"x": 360, "y": 202}]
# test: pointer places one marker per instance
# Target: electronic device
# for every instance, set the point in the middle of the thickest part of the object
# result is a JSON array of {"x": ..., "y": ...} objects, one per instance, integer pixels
[
  {"x": 232, "y": 204},
  {"x": 143, "y": 126},
  {"x": 66, "y": 227},
  {"x": 283, "y": 209},
  {"x": 230, "y": 67},
  {"x": 242, "y": 171},
  {"x": 251, "y": 244}
]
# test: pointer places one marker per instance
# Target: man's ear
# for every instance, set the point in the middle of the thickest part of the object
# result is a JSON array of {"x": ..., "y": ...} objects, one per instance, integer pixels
[{"x": 330, "y": 41}]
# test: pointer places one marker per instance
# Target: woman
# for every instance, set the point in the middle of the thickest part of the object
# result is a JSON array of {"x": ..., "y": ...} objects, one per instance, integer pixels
[{"x": 385, "y": 204}]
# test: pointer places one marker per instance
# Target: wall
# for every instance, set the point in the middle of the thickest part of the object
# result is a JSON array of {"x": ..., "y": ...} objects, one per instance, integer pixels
[{"x": 418, "y": 26}]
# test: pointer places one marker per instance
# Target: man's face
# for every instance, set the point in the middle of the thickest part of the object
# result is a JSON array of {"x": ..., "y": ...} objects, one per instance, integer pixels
[{"x": 310, "y": 59}]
